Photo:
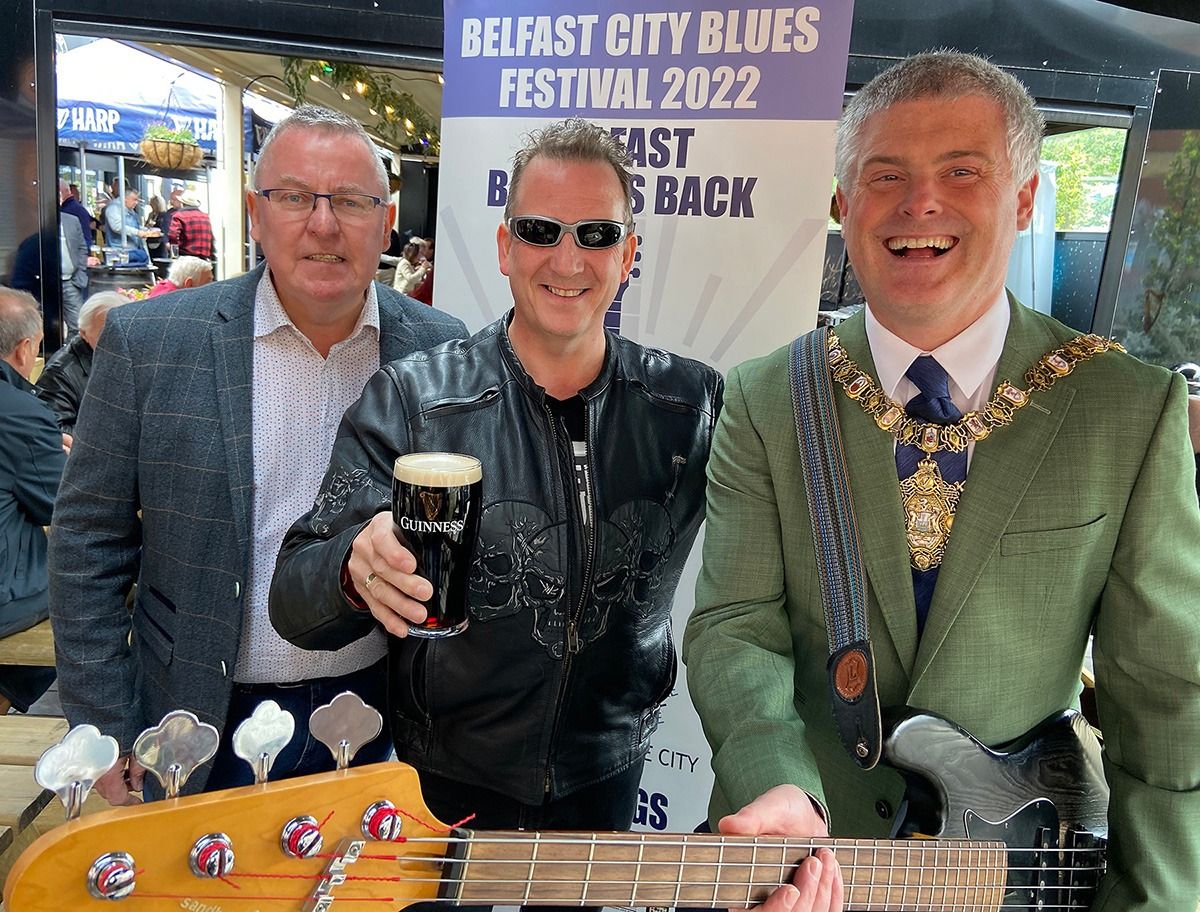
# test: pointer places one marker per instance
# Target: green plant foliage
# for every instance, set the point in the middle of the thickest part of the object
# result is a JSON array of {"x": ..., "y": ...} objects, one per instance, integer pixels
[
  {"x": 400, "y": 119},
  {"x": 166, "y": 134},
  {"x": 1166, "y": 329},
  {"x": 1089, "y": 162}
]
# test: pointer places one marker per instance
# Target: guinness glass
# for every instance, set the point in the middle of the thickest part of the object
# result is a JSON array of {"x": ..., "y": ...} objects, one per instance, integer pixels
[{"x": 436, "y": 502}]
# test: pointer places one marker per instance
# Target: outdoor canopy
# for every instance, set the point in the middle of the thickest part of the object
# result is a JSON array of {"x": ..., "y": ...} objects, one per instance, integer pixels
[{"x": 109, "y": 92}]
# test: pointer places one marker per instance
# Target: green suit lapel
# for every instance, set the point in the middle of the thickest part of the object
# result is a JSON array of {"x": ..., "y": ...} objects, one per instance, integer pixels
[
  {"x": 870, "y": 456},
  {"x": 1001, "y": 470}
]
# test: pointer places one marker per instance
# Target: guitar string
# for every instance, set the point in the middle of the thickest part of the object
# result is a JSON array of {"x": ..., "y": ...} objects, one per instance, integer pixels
[
  {"x": 904, "y": 905},
  {"x": 705, "y": 841}
]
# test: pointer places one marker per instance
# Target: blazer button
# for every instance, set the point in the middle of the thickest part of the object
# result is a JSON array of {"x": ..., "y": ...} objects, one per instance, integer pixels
[
  {"x": 237, "y": 589},
  {"x": 883, "y": 809}
]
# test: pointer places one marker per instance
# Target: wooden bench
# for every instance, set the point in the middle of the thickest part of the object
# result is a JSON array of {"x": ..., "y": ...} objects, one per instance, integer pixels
[
  {"x": 34, "y": 646},
  {"x": 21, "y": 799},
  {"x": 24, "y": 738}
]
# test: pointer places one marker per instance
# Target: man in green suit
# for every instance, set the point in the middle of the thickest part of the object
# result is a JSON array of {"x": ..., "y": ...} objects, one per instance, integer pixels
[{"x": 1075, "y": 517}]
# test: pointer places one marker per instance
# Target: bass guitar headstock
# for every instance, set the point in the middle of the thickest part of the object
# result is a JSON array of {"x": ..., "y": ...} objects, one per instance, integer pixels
[{"x": 360, "y": 834}]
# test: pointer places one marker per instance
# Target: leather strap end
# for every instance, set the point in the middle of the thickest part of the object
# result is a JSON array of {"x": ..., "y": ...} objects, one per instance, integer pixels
[{"x": 851, "y": 672}]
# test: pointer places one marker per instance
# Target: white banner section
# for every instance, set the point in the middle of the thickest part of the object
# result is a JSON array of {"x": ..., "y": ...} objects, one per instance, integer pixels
[{"x": 729, "y": 116}]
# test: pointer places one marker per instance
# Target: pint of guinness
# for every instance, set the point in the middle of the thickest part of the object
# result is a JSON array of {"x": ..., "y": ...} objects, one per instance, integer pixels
[{"x": 436, "y": 502}]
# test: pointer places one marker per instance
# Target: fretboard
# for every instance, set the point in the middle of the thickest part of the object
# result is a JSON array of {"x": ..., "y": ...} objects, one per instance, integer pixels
[{"x": 705, "y": 871}]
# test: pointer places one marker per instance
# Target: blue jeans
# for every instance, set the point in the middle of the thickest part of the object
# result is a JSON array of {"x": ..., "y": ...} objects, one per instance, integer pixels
[{"x": 304, "y": 754}]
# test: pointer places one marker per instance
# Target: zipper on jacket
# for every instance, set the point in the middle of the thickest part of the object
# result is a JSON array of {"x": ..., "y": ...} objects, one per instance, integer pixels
[{"x": 588, "y": 529}]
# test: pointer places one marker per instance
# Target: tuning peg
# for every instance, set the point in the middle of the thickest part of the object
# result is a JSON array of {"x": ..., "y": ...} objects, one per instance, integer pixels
[
  {"x": 174, "y": 748},
  {"x": 261, "y": 737},
  {"x": 344, "y": 725},
  {"x": 112, "y": 876},
  {"x": 71, "y": 767}
]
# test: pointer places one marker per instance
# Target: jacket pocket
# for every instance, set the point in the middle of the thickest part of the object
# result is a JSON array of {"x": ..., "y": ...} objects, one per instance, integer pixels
[
  {"x": 1032, "y": 542},
  {"x": 154, "y": 623},
  {"x": 667, "y": 402},
  {"x": 443, "y": 408},
  {"x": 671, "y": 662}
]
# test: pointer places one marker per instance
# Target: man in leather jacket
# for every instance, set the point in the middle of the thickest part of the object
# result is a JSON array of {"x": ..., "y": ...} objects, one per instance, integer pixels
[
  {"x": 593, "y": 451},
  {"x": 65, "y": 376}
]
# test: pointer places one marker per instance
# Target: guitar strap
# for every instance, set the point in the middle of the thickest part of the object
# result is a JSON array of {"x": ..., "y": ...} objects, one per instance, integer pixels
[{"x": 851, "y": 667}]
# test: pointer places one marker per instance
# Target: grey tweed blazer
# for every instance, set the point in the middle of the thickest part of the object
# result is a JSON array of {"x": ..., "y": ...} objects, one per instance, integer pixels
[{"x": 164, "y": 430}]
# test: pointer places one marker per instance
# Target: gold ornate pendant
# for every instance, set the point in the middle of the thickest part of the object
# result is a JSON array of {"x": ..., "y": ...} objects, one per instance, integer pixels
[{"x": 929, "y": 503}]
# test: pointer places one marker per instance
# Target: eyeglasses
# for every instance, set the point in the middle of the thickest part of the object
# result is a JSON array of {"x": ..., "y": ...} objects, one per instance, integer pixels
[
  {"x": 543, "y": 231},
  {"x": 300, "y": 203}
]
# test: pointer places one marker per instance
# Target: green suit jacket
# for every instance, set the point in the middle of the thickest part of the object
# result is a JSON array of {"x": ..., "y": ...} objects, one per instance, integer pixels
[{"x": 1078, "y": 517}]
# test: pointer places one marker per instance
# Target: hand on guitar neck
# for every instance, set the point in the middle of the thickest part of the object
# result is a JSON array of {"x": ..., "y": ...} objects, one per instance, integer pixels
[{"x": 788, "y": 811}]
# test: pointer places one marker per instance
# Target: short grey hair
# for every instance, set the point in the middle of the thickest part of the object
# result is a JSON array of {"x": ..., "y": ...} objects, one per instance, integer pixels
[
  {"x": 315, "y": 117},
  {"x": 188, "y": 267},
  {"x": 944, "y": 74},
  {"x": 574, "y": 139},
  {"x": 98, "y": 305},
  {"x": 20, "y": 318}
]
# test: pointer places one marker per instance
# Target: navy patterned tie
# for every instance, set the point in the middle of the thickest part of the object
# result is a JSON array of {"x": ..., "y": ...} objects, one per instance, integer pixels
[{"x": 932, "y": 403}]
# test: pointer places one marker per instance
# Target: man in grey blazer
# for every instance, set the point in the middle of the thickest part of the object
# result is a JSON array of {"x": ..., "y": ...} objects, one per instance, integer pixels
[{"x": 206, "y": 427}]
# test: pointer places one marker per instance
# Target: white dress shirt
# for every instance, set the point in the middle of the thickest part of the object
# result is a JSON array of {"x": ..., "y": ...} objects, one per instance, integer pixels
[
  {"x": 299, "y": 398},
  {"x": 970, "y": 358}
]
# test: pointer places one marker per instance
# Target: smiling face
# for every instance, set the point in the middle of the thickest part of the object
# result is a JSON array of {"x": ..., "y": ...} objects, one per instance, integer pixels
[
  {"x": 931, "y": 213},
  {"x": 320, "y": 266},
  {"x": 561, "y": 293}
]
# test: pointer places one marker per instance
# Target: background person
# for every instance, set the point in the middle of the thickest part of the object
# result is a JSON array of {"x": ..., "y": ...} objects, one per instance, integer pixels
[
  {"x": 185, "y": 272},
  {"x": 68, "y": 201},
  {"x": 212, "y": 413},
  {"x": 191, "y": 230},
  {"x": 410, "y": 269},
  {"x": 64, "y": 378},
  {"x": 73, "y": 262},
  {"x": 32, "y": 455},
  {"x": 539, "y": 714},
  {"x": 122, "y": 224},
  {"x": 1076, "y": 517}
]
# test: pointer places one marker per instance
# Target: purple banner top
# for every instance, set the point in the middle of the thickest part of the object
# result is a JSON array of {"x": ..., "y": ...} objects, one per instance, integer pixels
[{"x": 645, "y": 59}]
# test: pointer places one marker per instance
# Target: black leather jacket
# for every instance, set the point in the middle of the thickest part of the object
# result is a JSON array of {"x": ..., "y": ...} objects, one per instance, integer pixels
[
  {"x": 63, "y": 380},
  {"x": 508, "y": 705}
]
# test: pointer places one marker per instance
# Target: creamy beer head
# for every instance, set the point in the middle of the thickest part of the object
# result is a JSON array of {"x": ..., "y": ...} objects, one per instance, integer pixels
[{"x": 438, "y": 470}]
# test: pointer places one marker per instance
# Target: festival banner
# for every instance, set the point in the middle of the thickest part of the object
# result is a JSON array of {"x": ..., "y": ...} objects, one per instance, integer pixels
[{"x": 729, "y": 115}]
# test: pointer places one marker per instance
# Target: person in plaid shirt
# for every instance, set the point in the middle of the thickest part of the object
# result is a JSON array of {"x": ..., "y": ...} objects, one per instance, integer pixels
[{"x": 191, "y": 229}]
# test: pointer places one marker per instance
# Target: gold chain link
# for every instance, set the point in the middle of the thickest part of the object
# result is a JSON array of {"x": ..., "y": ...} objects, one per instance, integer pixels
[{"x": 999, "y": 411}]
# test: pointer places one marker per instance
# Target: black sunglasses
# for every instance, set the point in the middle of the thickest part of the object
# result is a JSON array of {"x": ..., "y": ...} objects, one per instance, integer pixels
[{"x": 591, "y": 234}]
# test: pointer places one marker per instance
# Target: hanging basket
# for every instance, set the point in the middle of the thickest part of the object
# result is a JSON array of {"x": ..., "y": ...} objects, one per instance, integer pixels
[{"x": 171, "y": 155}]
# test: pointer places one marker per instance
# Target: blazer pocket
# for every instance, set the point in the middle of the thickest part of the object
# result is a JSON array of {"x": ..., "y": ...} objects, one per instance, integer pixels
[
  {"x": 1014, "y": 543},
  {"x": 154, "y": 623}
]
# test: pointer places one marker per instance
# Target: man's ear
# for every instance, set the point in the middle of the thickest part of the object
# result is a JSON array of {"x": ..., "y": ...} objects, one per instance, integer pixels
[
  {"x": 628, "y": 255},
  {"x": 252, "y": 202},
  {"x": 503, "y": 245},
  {"x": 1025, "y": 195}
]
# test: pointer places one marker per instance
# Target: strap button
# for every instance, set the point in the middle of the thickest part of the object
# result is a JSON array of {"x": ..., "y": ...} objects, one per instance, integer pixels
[{"x": 883, "y": 809}]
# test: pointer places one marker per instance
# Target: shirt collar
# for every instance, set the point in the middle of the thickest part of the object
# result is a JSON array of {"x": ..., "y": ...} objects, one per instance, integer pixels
[
  {"x": 270, "y": 316},
  {"x": 969, "y": 358}
]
